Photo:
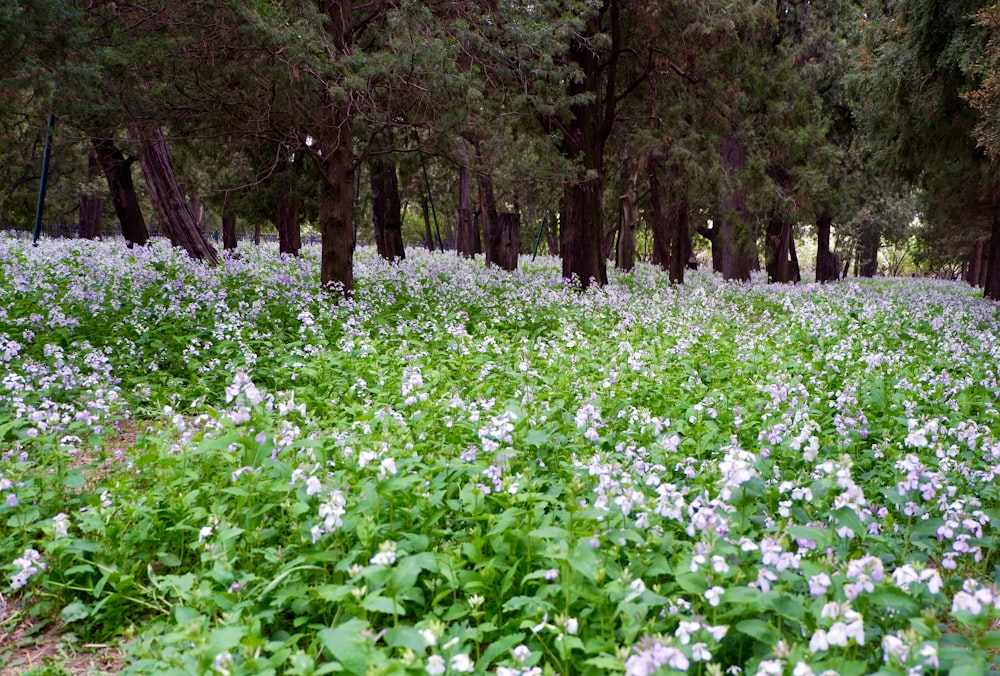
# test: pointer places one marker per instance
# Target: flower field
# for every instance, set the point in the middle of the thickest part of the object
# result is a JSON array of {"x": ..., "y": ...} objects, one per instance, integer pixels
[{"x": 465, "y": 471}]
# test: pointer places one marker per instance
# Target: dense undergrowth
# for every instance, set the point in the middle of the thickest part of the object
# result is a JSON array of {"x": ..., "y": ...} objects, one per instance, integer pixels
[{"x": 463, "y": 470}]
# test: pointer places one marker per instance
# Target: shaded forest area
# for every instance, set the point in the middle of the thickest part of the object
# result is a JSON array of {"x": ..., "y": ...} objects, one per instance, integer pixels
[{"x": 497, "y": 127}]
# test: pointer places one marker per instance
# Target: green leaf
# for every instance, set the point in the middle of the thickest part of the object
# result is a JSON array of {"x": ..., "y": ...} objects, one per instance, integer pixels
[
  {"x": 897, "y": 599},
  {"x": 848, "y": 517},
  {"x": 74, "y": 612},
  {"x": 989, "y": 641},
  {"x": 344, "y": 644},
  {"x": 377, "y": 603},
  {"x": 763, "y": 631},
  {"x": 498, "y": 648}
]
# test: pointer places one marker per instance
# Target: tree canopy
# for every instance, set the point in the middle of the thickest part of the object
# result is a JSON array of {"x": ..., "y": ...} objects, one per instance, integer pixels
[{"x": 752, "y": 123}]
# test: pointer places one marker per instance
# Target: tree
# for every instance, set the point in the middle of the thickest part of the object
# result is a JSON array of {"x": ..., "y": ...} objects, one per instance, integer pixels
[{"x": 916, "y": 68}]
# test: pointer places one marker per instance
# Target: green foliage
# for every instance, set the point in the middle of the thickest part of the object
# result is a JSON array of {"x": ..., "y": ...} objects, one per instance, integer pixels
[{"x": 458, "y": 463}]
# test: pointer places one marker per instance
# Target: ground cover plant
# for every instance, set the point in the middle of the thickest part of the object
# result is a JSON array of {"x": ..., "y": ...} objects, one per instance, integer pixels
[{"x": 463, "y": 470}]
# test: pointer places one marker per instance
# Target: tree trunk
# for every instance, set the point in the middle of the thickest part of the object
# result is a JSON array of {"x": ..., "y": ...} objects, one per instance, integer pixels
[
  {"x": 659, "y": 224},
  {"x": 503, "y": 246},
  {"x": 428, "y": 233},
  {"x": 287, "y": 222},
  {"x": 387, "y": 210},
  {"x": 827, "y": 269},
  {"x": 582, "y": 139},
  {"x": 489, "y": 220},
  {"x": 867, "y": 261},
  {"x": 991, "y": 284},
  {"x": 731, "y": 252},
  {"x": 552, "y": 235},
  {"x": 733, "y": 248},
  {"x": 465, "y": 241},
  {"x": 336, "y": 211},
  {"x": 782, "y": 264},
  {"x": 580, "y": 230},
  {"x": 90, "y": 205},
  {"x": 228, "y": 230},
  {"x": 628, "y": 215},
  {"x": 168, "y": 201},
  {"x": 199, "y": 213},
  {"x": 256, "y": 233},
  {"x": 681, "y": 249},
  {"x": 118, "y": 173}
]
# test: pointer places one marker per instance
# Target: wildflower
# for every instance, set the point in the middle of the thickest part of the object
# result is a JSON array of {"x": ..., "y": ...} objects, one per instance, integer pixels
[
  {"x": 435, "y": 665},
  {"x": 714, "y": 596},
  {"x": 386, "y": 555},
  {"x": 313, "y": 486},
  {"x": 60, "y": 524},
  {"x": 224, "y": 663},
  {"x": 770, "y": 668},
  {"x": 819, "y": 583},
  {"x": 29, "y": 564},
  {"x": 521, "y": 653},
  {"x": 206, "y": 531},
  {"x": 551, "y": 574},
  {"x": 461, "y": 663}
]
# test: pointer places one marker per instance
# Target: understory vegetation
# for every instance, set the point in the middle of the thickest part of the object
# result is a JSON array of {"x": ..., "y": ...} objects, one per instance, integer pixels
[{"x": 467, "y": 470}]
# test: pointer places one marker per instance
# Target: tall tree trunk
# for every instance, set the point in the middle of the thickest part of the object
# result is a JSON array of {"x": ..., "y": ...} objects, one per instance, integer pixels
[
  {"x": 867, "y": 261},
  {"x": 199, "y": 213},
  {"x": 118, "y": 173},
  {"x": 90, "y": 205},
  {"x": 628, "y": 214},
  {"x": 733, "y": 247},
  {"x": 287, "y": 222},
  {"x": 827, "y": 267},
  {"x": 731, "y": 252},
  {"x": 428, "y": 233},
  {"x": 582, "y": 141},
  {"x": 337, "y": 166},
  {"x": 489, "y": 218},
  {"x": 503, "y": 247},
  {"x": 336, "y": 212},
  {"x": 465, "y": 240},
  {"x": 228, "y": 230},
  {"x": 580, "y": 229},
  {"x": 782, "y": 264},
  {"x": 991, "y": 285},
  {"x": 168, "y": 201},
  {"x": 552, "y": 234},
  {"x": 659, "y": 224},
  {"x": 387, "y": 209},
  {"x": 681, "y": 249}
]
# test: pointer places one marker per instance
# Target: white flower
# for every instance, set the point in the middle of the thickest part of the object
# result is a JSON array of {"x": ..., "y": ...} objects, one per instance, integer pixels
[
  {"x": 430, "y": 638},
  {"x": 770, "y": 668},
  {"x": 700, "y": 653},
  {"x": 435, "y": 665},
  {"x": 313, "y": 486},
  {"x": 521, "y": 653},
  {"x": 461, "y": 663},
  {"x": 60, "y": 524},
  {"x": 571, "y": 625},
  {"x": 819, "y": 641},
  {"x": 893, "y": 646},
  {"x": 386, "y": 555},
  {"x": 205, "y": 532},
  {"x": 714, "y": 595}
]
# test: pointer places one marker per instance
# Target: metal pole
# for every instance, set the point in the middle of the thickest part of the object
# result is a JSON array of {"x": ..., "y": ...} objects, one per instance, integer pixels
[
  {"x": 45, "y": 174},
  {"x": 538, "y": 237}
]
